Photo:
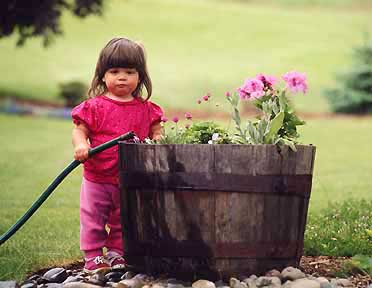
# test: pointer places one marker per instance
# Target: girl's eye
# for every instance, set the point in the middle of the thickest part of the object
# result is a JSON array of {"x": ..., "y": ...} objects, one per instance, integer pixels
[{"x": 114, "y": 71}]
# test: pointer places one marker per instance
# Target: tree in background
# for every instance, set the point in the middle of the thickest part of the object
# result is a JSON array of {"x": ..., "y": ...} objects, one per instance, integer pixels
[
  {"x": 41, "y": 18},
  {"x": 354, "y": 93}
]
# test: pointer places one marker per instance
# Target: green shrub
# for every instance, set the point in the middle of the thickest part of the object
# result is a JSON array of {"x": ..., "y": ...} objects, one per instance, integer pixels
[
  {"x": 197, "y": 133},
  {"x": 354, "y": 94},
  {"x": 72, "y": 92},
  {"x": 202, "y": 133},
  {"x": 341, "y": 229}
]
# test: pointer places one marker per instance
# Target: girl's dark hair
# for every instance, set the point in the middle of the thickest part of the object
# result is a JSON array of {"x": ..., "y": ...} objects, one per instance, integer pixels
[{"x": 125, "y": 53}]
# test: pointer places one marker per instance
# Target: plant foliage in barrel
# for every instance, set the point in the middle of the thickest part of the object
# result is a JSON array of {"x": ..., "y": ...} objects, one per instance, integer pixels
[{"x": 235, "y": 206}]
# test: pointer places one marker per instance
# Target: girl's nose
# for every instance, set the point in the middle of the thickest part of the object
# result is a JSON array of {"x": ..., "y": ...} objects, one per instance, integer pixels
[{"x": 123, "y": 76}]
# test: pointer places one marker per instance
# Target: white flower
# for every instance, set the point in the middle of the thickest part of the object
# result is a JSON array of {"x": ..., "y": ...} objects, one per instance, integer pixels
[
  {"x": 210, "y": 142},
  {"x": 215, "y": 137}
]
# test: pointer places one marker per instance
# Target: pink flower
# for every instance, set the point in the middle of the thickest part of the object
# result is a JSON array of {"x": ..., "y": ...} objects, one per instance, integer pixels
[
  {"x": 206, "y": 97},
  {"x": 228, "y": 94},
  {"x": 175, "y": 119},
  {"x": 252, "y": 88},
  {"x": 199, "y": 101},
  {"x": 267, "y": 80},
  {"x": 295, "y": 81},
  {"x": 163, "y": 119},
  {"x": 188, "y": 116}
]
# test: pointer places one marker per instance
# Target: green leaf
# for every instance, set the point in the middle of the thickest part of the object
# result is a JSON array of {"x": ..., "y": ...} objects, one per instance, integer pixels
[
  {"x": 262, "y": 127},
  {"x": 289, "y": 143},
  {"x": 275, "y": 108},
  {"x": 275, "y": 125},
  {"x": 252, "y": 132},
  {"x": 236, "y": 116}
]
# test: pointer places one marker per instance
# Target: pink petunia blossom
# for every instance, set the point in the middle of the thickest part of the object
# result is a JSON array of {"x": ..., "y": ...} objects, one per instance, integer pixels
[
  {"x": 206, "y": 97},
  {"x": 199, "y": 101},
  {"x": 267, "y": 80},
  {"x": 188, "y": 116},
  {"x": 252, "y": 88},
  {"x": 175, "y": 119},
  {"x": 228, "y": 94},
  {"x": 163, "y": 119},
  {"x": 296, "y": 82}
]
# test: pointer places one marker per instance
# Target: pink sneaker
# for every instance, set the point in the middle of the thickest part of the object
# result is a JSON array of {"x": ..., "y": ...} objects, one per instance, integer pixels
[
  {"x": 116, "y": 261},
  {"x": 96, "y": 264}
]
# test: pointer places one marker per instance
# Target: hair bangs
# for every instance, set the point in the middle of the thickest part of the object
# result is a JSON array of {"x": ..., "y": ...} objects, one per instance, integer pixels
[{"x": 124, "y": 56}]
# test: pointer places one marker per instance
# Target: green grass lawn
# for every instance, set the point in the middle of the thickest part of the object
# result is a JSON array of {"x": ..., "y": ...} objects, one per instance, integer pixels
[
  {"x": 195, "y": 47},
  {"x": 35, "y": 150}
]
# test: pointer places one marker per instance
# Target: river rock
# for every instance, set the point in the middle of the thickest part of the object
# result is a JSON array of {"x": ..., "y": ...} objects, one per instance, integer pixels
[
  {"x": 322, "y": 280},
  {"x": 51, "y": 285},
  {"x": 36, "y": 277},
  {"x": 305, "y": 283},
  {"x": 203, "y": 284},
  {"x": 73, "y": 279},
  {"x": 128, "y": 275},
  {"x": 98, "y": 279},
  {"x": 159, "y": 285},
  {"x": 327, "y": 285},
  {"x": 8, "y": 284},
  {"x": 31, "y": 284},
  {"x": 131, "y": 283},
  {"x": 270, "y": 282},
  {"x": 251, "y": 283},
  {"x": 55, "y": 275},
  {"x": 235, "y": 283},
  {"x": 114, "y": 276},
  {"x": 80, "y": 285},
  {"x": 171, "y": 285},
  {"x": 141, "y": 277},
  {"x": 291, "y": 273},
  {"x": 342, "y": 282},
  {"x": 273, "y": 273}
]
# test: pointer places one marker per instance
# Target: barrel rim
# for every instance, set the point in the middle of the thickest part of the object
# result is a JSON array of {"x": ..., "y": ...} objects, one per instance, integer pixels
[{"x": 216, "y": 145}]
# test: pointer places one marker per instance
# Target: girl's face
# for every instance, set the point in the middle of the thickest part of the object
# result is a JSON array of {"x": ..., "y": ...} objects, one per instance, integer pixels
[{"x": 121, "y": 82}]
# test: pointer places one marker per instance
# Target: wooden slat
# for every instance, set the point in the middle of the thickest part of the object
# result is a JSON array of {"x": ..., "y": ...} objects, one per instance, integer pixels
[
  {"x": 268, "y": 160},
  {"x": 304, "y": 160}
]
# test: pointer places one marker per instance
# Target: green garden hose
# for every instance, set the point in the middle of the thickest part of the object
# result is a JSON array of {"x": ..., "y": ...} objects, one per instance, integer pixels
[{"x": 57, "y": 181}]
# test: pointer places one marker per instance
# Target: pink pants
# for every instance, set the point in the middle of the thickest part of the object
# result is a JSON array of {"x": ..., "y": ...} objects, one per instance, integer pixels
[{"x": 100, "y": 206}]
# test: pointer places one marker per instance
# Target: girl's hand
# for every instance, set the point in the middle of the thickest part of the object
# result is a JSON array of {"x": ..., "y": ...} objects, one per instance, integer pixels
[
  {"x": 81, "y": 152},
  {"x": 80, "y": 142}
]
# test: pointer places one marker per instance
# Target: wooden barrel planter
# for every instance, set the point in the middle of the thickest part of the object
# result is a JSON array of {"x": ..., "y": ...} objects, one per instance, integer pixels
[{"x": 214, "y": 211}]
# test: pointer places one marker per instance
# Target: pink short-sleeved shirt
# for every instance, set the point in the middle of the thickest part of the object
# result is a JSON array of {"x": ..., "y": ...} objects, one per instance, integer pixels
[{"x": 106, "y": 119}]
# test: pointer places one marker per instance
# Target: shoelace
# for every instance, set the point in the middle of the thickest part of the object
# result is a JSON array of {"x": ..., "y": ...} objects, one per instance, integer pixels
[{"x": 97, "y": 260}]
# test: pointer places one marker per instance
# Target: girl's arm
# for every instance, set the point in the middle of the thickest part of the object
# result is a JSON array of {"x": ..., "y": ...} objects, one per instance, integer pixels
[
  {"x": 80, "y": 141},
  {"x": 156, "y": 131}
]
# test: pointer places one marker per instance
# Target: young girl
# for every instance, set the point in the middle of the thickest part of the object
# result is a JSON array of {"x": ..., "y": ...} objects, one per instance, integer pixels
[{"x": 115, "y": 106}]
